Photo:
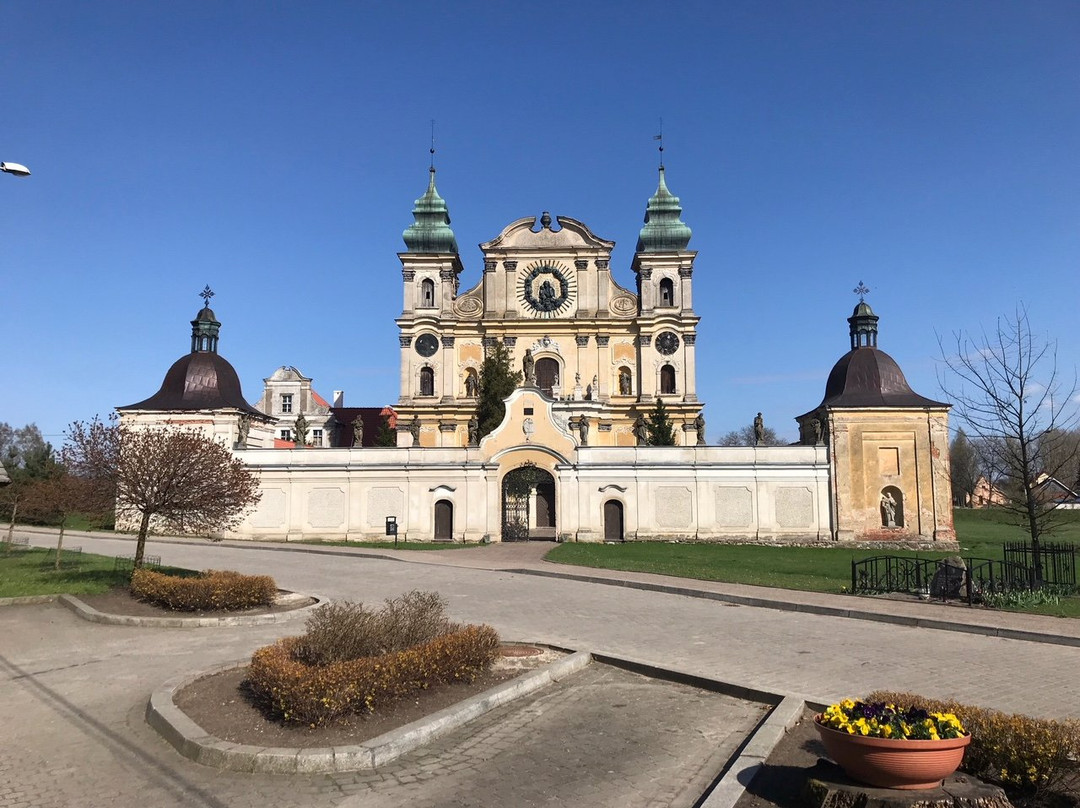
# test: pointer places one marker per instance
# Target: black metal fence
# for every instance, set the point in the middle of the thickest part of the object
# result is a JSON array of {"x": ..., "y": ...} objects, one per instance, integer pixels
[
  {"x": 1056, "y": 562},
  {"x": 937, "y": 578}
]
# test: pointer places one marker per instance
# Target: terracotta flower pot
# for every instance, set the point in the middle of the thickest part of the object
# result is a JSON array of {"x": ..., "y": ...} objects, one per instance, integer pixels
[{"x": 894, "y": 762}]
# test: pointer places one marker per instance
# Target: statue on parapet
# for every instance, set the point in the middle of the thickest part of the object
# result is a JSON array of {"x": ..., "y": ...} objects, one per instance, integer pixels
[
  {"x": 300, "y": 435},
  {"x": 528, "y": 365},
  {"x": 699, "y": 426},
  {"x": 414, "y": 429},
  {"x": 358, "y": 432},
  {"x": 641, "y": 431},
  {"x": 759, "y": 430}
]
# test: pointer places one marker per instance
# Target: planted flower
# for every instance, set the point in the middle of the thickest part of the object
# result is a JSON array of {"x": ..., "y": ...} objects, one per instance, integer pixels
[{"x": 891, "y": 746}]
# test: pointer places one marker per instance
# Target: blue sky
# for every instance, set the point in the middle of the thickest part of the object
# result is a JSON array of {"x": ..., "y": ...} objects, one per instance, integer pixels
[{"x": 273, "y": 150}]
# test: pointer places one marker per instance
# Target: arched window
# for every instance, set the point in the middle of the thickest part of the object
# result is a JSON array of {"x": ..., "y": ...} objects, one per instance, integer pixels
[
  {"x": 547, "y": 375},
  {"x": 427, "y": 382},
  {"x": 667, "y": 292},
  {"x": 427, "y": 293},
  {"x": 667, "y": 380}
]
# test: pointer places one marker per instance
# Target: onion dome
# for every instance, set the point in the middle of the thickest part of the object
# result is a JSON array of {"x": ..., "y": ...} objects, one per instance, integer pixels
[
  {"x": 664, "y": 231},
  {"x": 431, "y": 232},
  {"x": 866, "y": 376},
  {"x": 201, "y": 380}
]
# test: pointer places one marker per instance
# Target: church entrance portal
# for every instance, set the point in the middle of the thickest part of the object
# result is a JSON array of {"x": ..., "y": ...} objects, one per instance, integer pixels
[
  {"x": 444, "y": 520},
  {"x": 528, "y": 505}
]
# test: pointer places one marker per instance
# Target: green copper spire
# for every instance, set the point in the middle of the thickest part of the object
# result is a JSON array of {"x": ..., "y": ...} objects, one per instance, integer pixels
[
  {"x": 431, "y": 232},
  {"x": 664, "y": 231}
]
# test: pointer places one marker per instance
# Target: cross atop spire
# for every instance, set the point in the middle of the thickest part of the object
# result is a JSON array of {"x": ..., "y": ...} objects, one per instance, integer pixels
[
  {"x": 862, "y": 290},
  {"x": 206, "y": 294}
]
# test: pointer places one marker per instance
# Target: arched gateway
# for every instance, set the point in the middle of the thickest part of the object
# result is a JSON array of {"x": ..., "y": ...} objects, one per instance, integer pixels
[{"x": 528, "y": 504}]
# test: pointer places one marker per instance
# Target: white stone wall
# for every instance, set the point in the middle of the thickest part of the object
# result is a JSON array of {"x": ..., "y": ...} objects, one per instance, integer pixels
[{"x": 770, "y": 494}]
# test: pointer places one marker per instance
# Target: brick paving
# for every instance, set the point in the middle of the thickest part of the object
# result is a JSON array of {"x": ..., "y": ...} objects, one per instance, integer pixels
[{"x": 74, "y": 692}]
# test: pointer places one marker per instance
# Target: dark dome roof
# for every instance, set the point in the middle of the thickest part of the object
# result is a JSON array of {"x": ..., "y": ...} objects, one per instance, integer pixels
[
  {"x": 868, "y": 377},
  {"x": 206, "y": 316},
  {"x": 201, "y": 380}
]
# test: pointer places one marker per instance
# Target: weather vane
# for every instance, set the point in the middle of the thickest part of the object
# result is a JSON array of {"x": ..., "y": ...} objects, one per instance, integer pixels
[
  {"x": 206, "y": 294},
  {"x": 660, "y": 137},
  {"x": 432, "y": 149},
  {"x": 862, "y": 291}
]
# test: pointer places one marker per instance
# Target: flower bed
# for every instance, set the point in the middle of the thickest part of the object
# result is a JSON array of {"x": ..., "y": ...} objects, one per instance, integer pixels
[{"x": 213, "y": 590}]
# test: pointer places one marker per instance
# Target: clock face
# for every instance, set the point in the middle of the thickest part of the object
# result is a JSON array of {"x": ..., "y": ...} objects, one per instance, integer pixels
[
  {"x": 667, "y": 343},
  {"x": 427, "y": 345},
  {"x": 546, "y": 290}
]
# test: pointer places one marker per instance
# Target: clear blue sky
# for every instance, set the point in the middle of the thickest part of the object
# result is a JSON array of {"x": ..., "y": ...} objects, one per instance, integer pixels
[{"x": 274, "y": 150}]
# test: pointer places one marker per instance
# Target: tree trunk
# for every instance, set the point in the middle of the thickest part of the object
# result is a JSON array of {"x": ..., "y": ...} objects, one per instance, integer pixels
[
  {"x": 59, "y": 545},
  {"x": 140, "y": 545},
  {"x": 11, "y": 527}
]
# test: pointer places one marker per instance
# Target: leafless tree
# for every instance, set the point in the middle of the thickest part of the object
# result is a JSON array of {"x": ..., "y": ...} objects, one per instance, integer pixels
[
  {"x": 747, "y": 437},
  {"x": 177, "y": 478},
  {"x": 57, "y": 497},
  {"x": 1007, "y": 391}
]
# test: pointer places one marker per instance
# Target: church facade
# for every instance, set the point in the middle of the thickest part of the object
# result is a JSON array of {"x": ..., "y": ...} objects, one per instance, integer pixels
[{"x": 569, "y": 460}]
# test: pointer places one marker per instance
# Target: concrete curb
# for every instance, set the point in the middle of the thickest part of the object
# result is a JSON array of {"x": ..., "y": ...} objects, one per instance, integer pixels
[
  {"x": 28, "y": 600},
  {"x": 813, "y": 608},
  {"x": 196, "y": 744},
  {"x": 92, "y": 615}
]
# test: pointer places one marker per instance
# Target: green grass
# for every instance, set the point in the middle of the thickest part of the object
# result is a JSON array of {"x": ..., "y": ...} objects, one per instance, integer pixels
[
  {"x": 389, "y": 545},
  {"x": 980, "y": 534},
  {"x": 26, "y": 572}
]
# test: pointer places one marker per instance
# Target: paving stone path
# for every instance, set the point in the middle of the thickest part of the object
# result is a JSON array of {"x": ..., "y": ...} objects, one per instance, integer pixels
[{"x": 73, "y": 693}]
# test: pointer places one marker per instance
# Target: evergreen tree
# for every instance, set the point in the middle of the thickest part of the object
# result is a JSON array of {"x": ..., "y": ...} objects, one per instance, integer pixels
[
  {"x": 497, "y": 381},
  {"x": 385, "y": 436},
  {"x": 661, "y": 430},
  {"x": 964, "y": 466}
]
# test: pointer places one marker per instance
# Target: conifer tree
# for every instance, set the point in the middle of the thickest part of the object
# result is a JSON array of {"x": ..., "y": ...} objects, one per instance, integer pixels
[
  {"x": 661, "y": 430},
  {"x": 385, "y": 436},
  {"x": 497, "y": 381}
]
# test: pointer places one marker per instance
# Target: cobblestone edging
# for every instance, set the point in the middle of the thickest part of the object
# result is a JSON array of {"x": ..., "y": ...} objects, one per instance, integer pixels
[
  {"x": 191, "y": 741},
  {"x": 91, "y": 614}
]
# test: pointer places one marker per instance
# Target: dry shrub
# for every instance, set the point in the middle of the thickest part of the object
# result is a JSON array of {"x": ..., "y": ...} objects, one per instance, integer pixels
[
  {"x": 314, "y": 694},
  {"x": 213, "y": 590},
  {"x": 338, "y": 632},
  {"x": 1031, "y": 754}
]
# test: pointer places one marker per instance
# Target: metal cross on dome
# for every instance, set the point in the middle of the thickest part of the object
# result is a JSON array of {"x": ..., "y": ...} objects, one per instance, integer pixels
[
  {"x": 206, "y": 294},
  {"x": 862, "y": 291}
]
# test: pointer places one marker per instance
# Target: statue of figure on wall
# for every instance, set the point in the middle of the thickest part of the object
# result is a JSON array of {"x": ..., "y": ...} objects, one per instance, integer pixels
[
  {"x": 759, "y": 429},
  {"x": 474, "y": 432},
  {"x": 242, "y": 430},
  {"x": 357, "y": 432},
  {"x": 888, "y": 504},
  {"x": 472, "y": 384},
  {"x": 300, "y": 432},
  {"x": 815, "y": 424},
  {"x": 641, "y": 431},
  {"x": 625, "y": 383},
  {"x": 414, "y": 429},
  {"x": 528, "y": 365},
  {"x": 583, "y": 430},
  {"x": 699, "y": 425},
  {"x": 556, "y": 386}
]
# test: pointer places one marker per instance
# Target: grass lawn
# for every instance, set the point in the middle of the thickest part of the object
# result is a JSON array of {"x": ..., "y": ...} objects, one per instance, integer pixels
[
  {"x": 389, "y": 545},
  {"x": 980, "y": 533},
  {"x": 30, "y": 571}
]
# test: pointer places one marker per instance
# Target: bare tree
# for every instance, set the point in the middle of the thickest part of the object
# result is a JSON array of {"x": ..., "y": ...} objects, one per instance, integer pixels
[
  {"x": 1007, "y": 391},
  {"x": 179, "y": 479},
  {"x": 57, "y": 497},
  {"x": 747, "y": 437}
]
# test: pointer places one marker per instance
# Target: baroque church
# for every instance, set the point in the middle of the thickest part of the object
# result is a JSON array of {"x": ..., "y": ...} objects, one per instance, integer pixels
[{"x": 568, "y": 462}]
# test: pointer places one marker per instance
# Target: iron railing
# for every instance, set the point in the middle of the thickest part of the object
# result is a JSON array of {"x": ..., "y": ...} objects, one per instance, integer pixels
[
  {"x": 936, "y": 578},
  {"x": 1056, "y": 562}
]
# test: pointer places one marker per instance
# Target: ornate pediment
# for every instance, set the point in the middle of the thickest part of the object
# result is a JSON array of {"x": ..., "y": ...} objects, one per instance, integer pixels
[{"x": 537, "y": 233}]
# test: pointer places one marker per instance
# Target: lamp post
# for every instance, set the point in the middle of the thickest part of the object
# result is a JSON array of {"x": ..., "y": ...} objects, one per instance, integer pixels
[{"x": 17, "y": 169}]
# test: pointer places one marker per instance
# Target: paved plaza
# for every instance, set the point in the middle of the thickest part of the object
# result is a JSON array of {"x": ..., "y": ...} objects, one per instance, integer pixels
[{"x": 74, "y": 692}]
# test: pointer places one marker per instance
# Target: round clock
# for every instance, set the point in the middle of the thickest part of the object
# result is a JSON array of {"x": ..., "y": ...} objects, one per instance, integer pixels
[
  {"x": 427, "y": 345},
  {"x": 667, "y": 343},
  {"x": 545, "y": 289}
]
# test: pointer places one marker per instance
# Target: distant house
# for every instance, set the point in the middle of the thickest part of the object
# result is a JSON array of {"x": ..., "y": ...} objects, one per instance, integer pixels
[
  {"x": 1052, "y": 490},
  {"x": 987, "y": 495}
]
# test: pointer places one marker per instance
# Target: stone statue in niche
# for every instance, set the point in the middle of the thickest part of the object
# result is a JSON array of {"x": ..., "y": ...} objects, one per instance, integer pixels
[
  {"x": 699, "y": 425},
  {"x": 625, "y": 383},
  {"x": 759, "y": 429},
  {"x": 888, "y": 507},
  {"x": 641, "y": 431},
  {"x": 242, "y": 430},
  {"x": 357, "y": 432},
  {"x": 414, "y": 429},
  {"x": 583, "y": 430},
  {"x": 528, "y": 365},
  {"x": 472, "y": 384},
  {"x": 300, "y": 433},
  {"x": 474, "y": 431}
]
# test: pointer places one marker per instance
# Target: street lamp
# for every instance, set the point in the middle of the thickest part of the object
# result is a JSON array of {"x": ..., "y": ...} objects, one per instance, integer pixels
[{"x": 17, "y": 169}]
